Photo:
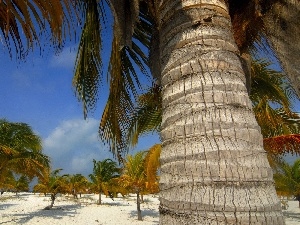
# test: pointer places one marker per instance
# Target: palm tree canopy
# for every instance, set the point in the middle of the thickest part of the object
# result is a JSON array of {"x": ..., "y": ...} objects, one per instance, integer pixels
[
  {"x": 52, "y": 182},
  {"x": 134, "y": 175},
  {"x": 21, "y": 150},
  {"x": 23, "y": 22},
  {"x": 103, "y": 171}
]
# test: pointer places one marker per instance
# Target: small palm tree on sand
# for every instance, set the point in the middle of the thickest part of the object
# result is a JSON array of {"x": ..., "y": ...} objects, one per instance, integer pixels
[
  {"x": 134, "y": 177},
  {"x": 52, "y": 183},
  {"x": 103, "y": 172},
  {"x": 77, "y": 183}
]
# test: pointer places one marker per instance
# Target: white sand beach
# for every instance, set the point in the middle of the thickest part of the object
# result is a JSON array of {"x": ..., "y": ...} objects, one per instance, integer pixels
[{"x": 28, "y": 208}]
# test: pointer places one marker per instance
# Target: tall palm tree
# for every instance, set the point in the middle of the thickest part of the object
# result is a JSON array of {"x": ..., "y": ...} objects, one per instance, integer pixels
[
  {"x": 198, "y": 55},
  {"x": 20, "y": 151},
  {"x": 103, "y": 172},
  {"x": 213, "y": 166},
  {"x": 272, "y": 100}
]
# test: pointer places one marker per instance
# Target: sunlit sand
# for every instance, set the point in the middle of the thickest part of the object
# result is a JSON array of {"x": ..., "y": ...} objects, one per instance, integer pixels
[{"x": 28, "y": 208}]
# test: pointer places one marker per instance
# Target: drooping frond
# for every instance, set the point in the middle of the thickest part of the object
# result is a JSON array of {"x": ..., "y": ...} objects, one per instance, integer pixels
[
  {"x": 281, "y": 27},
  {"x": 88, "y": 61},
  {"x": 152, "y": 165},
  {"x": 267, "y": 83},
  {"x": 147, "y": 115},
  {"x": 124, "y": 89},
  {"x": 127, "y": 57},
  {"x": 28, "y": 19}
]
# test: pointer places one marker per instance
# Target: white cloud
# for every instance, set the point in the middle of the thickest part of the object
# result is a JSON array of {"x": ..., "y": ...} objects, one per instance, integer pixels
[
  {"x": 64, "y": 59},
  {"x": 74, "y": 144}
]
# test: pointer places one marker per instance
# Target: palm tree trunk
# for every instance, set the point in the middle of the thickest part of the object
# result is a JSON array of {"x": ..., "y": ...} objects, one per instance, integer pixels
[
  {"x": 99, "y": 200},
  {"x": 138, "y": 206},
  {"x": 53, "y": 197},
  {"x": 213, "y": 166}
]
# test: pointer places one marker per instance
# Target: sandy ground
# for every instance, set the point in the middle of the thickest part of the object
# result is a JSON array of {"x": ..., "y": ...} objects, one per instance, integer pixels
[{"x": 28, "y": 208}]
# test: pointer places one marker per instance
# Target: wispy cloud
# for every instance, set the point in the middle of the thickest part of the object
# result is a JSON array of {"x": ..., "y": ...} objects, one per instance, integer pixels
[
  {"x": 64, "y": 59},
  {"x": 74, "y": 144}
]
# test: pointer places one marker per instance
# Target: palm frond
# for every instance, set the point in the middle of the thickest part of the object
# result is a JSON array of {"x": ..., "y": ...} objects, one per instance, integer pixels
[
  {"x": 270, "y": 84},
  {"x": 147, "y": 115},
  {"x": 24, "y": 21},
  {"x": 281, "y": 26},
  {"x": 124, "y": 89},
  {"x": 283, "y": 144},
  {"x": 152, "y": 165},
  {"x": 88, "y": 61}
]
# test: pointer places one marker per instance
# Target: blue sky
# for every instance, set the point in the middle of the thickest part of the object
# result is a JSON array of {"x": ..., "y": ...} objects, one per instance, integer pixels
[{"x": 39, "y": 92}]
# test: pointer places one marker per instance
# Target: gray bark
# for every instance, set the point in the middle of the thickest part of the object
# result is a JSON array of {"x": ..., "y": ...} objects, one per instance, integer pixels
[
  {"x": 99, "y": 198},
  {"x": 138, "y": 206},
  {"x": 213, "y": 166}
]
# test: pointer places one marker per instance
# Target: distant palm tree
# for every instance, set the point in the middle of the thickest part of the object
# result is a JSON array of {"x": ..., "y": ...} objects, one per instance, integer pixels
[
  {"x": 134, "y": 177},
  {"x": 20, "y": 151},
  {"x": 287, "y": 179},
  {"x": 52, "y": 183},
  {"x": 15, "y": 183},
  {"x": 22, "y": 184},
  {"x": 77, "y": 183},
  {"x": 103, "y": 172}
]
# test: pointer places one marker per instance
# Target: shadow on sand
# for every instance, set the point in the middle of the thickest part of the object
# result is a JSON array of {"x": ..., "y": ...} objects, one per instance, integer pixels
[
  {"x": 146, "y": 212},
  {"x": 56, "y": 213},
  {"x": 291, "y": 215}
]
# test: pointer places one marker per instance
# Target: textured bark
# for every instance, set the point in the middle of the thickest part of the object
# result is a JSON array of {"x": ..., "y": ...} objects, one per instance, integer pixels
[
  {"x": 213, "y": 166},
  {"x": 282, "y": 24}
]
